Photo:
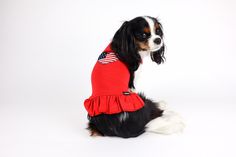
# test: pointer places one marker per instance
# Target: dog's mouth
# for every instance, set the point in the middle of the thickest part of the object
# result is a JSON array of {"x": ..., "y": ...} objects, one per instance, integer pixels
[{"x": 155, "y": 49}]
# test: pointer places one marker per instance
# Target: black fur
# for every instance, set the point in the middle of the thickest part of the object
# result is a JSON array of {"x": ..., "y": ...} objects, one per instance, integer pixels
[
  {"x": 124, "y": 45},
  {"x": 133, "y": 126}
]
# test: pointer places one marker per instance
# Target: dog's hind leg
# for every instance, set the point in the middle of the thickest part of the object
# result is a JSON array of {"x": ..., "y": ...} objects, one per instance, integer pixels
[{"x": 170, "y": 122}]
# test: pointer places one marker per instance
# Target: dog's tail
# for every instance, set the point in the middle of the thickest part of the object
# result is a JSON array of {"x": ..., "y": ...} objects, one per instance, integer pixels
[{"x": 162, "y": 119}]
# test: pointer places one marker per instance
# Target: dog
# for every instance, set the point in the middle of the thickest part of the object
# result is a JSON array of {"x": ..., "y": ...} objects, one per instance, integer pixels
[{"x": 114, "y": 108}]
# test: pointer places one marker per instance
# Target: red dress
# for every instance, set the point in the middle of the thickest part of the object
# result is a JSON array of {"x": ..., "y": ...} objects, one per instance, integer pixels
[{"x": 110, "y": 91}]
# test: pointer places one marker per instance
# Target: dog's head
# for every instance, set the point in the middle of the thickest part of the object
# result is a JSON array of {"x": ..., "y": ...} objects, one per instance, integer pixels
[{"x": 137, "y": 38}]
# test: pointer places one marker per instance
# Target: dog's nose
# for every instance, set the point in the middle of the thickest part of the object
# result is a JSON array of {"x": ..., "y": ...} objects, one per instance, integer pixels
[{"x": 157, "y": 41}]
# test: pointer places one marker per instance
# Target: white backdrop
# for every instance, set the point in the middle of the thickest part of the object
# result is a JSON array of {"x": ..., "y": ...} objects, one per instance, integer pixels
[{"x": 48, "y": 49}]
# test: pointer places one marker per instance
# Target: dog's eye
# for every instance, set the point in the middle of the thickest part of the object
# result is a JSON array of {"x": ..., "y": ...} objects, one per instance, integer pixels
[
  {"x": 158, "y": 32},
  {"x": 144, "y": 35}
]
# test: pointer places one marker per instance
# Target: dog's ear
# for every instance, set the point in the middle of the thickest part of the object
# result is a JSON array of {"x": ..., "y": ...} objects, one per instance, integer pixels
[
  {"x": 123, "y": 44},
  {"x": 158, "y": 56}
]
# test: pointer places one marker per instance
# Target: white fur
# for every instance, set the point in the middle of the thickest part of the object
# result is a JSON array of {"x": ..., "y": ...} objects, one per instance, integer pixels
[
  {"x": 153, "y": 46},
  {"x": 140, "y": 72},
  {"x": 144, "y": 54},
  {"x": 170, "y": 122}
]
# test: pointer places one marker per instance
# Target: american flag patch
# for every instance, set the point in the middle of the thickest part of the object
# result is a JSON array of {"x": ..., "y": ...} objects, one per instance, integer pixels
[{"x": 107, "y": 57}]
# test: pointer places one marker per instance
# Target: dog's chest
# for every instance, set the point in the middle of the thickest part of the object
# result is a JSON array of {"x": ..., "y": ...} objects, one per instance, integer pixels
[{"x": 143, "y": 75}]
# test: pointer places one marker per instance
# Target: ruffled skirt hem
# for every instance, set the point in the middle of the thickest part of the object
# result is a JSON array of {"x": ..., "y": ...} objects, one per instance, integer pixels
[{"x": 112, "y": 104}]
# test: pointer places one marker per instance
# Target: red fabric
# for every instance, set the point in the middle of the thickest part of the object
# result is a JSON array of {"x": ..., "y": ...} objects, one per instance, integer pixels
[{"x": 109, "y": 81}]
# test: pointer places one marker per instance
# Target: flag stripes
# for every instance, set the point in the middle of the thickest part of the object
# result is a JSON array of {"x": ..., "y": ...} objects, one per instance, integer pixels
[{"x": 107, "y": 57}]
